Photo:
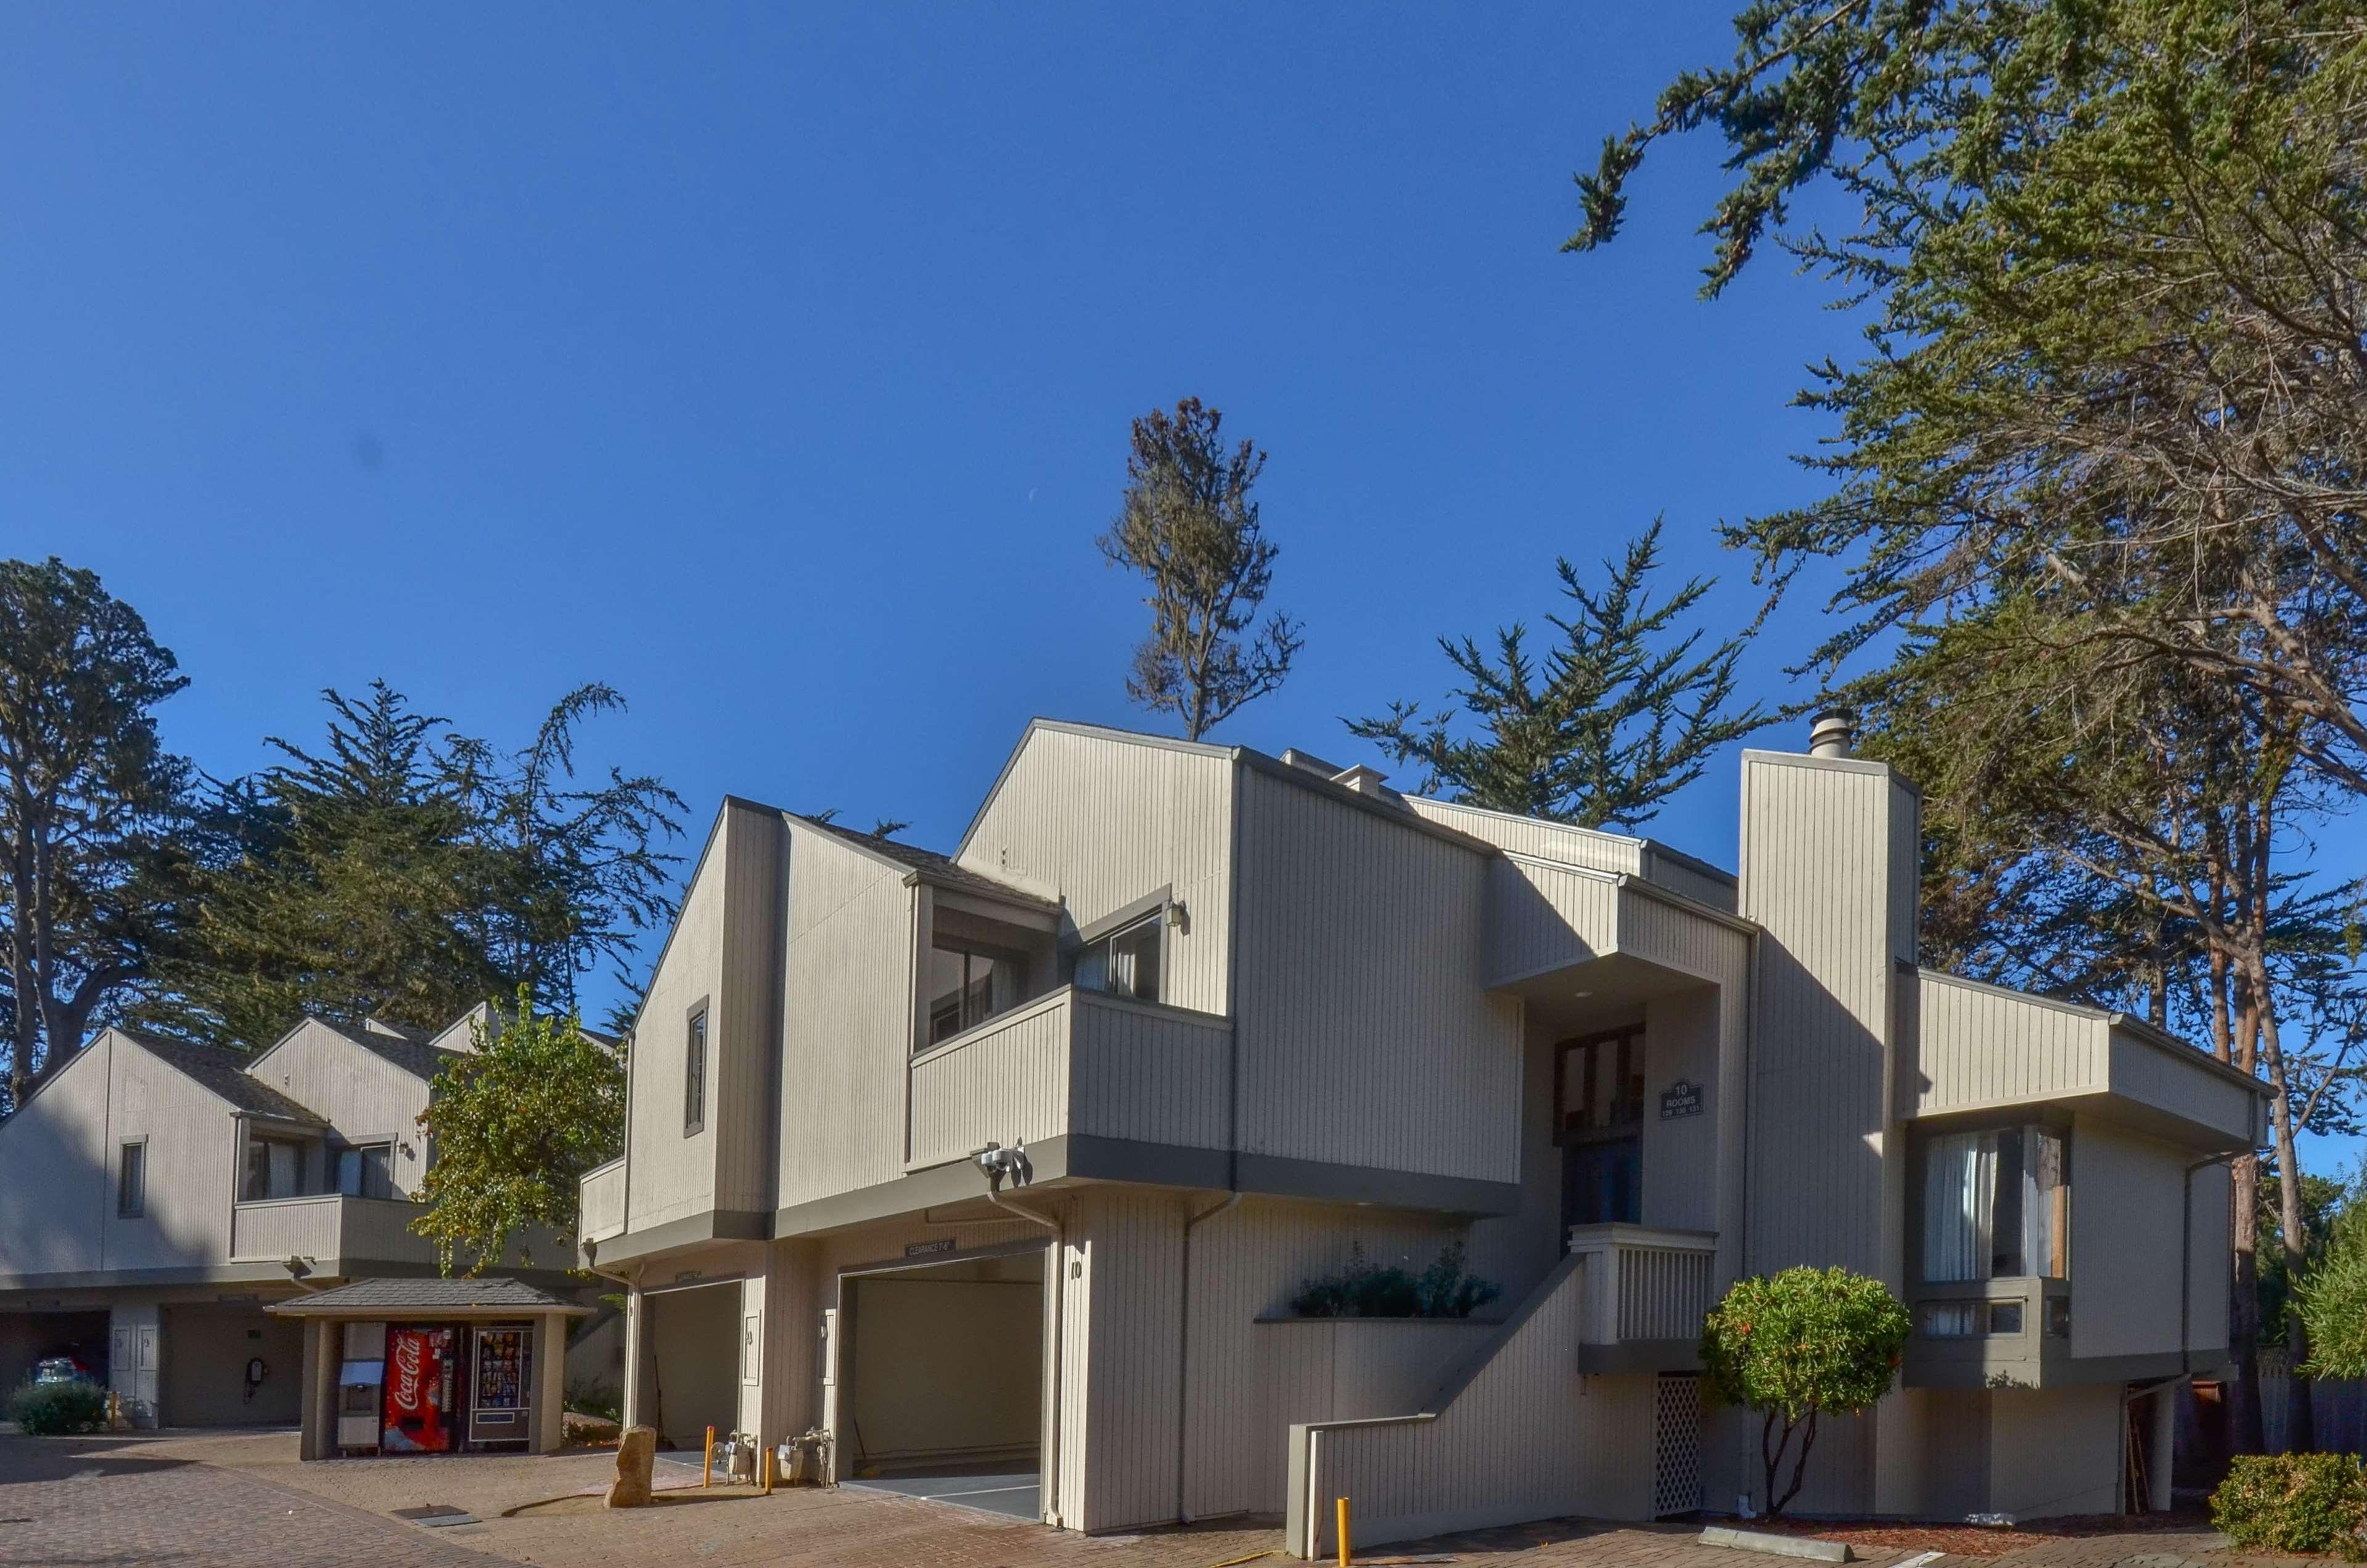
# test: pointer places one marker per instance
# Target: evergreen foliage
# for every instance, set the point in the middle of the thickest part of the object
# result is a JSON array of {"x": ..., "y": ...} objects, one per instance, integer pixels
[
  {"x": 1798, "y": 1346},
  {"x": 1362, "y": 1289},
  {"x": 2294, "y": 1502},
  {"x": 58, "y": 1410},
  {"x": 1625, "y": 711},
  {"x": 1190, "y": 526}
]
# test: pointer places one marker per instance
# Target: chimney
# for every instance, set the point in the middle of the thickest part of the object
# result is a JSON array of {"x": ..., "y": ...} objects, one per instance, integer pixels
[
  {"x": 1364, "y": 780},
  {"x": 1831, "y": 733}
]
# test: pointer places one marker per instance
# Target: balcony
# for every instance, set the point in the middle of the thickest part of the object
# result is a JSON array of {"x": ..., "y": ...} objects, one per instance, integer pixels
[
  {"x": 1645, "y": 1293},
  {"x": 1073, "y": 1063},
  {"x": 332, "y": 1230},
  {"x": 600, "y": 1203}
]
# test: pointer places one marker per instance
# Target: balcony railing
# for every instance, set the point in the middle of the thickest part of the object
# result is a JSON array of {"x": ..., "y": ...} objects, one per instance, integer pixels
[
  {"x": 601, "y": 1202},
  {"x": 1647, "y": 1292},
  {"x": 1073, "y": 1062},
  {"x": 329, "y": 1227}
]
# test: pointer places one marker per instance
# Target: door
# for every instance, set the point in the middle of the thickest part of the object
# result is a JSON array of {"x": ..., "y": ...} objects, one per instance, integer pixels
[
  {"x": 1603, "y": 1183},
  {"x": 420, "y": 1373}
]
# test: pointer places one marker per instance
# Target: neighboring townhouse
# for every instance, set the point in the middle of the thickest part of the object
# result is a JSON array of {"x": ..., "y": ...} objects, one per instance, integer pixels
[
  {"x": 155, "y": 1195},
  {"x": 1253, "y": 1016}
]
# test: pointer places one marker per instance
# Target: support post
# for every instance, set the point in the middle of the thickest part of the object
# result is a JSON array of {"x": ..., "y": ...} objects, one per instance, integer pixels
[
  {"x": 1343, "y": 1532},
  {"x": 706, "y": 1474}
]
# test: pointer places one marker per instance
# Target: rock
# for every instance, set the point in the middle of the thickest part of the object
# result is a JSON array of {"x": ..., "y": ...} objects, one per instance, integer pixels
[{"x": 637, "y": 1452}]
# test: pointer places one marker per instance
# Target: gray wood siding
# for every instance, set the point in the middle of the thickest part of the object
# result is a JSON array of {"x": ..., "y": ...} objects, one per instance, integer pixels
[
  {"x": 1978, "y": 1046},
  {"x": 1100, "y": 822},
  {"x": 57, "y": 1167},
  {"x": 672, "y": 1175},
  {"x": 846, "y": 1021},
  {"x": 1251, "y": 1382},
  {"x": 1125, "y": 1338},
  {"x": 363, "y": 1097},
  {"x": 1156, "y": 1075},
  {"x": 1006, "y": 1082},
  {"x": 2180, "y": 1080},
  {"x": 1817, "y": 839},
  {"x": 1366, "y": 1035},
  {"x": 1542, "y": 917},
  {"x": 744, "y": 1032},
  {"x": 2125, "y": 1233},
  {"x": 1588, "y": 847}
]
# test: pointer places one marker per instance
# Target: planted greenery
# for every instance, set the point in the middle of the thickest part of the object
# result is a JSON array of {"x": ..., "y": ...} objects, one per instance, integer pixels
[
  {"x": 57, "y": 1410},
  {"x": 2294, "y": 1502},
  {"x": 1365, "y": 1290},
  {"x": 1798, "y": 1346}
]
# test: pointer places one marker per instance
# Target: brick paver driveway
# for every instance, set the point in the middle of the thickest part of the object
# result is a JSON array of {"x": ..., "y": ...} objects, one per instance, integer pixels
[{"x": 196, "y": 1500}]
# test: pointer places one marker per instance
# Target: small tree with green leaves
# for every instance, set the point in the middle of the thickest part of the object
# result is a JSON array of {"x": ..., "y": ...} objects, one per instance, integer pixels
[
  {"x": 2333, "y": 1299},
  {"x": 1797, "y": 1346},
  {"x": 516, "y": 1123},
  {"x": 1190, "y": 526}
]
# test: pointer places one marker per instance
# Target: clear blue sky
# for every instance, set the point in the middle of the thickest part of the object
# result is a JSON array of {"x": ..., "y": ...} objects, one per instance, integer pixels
[{"x": 774, "y": 364}]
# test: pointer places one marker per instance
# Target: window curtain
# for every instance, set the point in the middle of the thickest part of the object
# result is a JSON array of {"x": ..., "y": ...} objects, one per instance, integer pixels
[
  {"x": 1959, "y": 1197},
  {"x": 2043, "y": 1203}
]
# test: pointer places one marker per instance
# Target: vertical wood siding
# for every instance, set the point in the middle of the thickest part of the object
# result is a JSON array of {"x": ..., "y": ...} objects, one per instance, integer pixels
[
  {"x": 2125, "y": 1192},
  {"x": 673, "y": 1176},
  {"x": 1818, "y": 875},
  {"x": 1367, "y": 1035},
  {"x": 1156, "y": 1075},
  {"x": 1588, "y": 847},
  {"x": 362, "y": 1095},
  {"x": 743, "y": 1030},
  {"x": 2180, "y": 1082},
  {"x": 192, "y": 1164},
  {"x": 1124, "y": 1402},
  {"x": 1525, "y": 1438},
  {"x": 57, "y": 1173},
  {"x": 1543, "y": 917},
  {"x": 600, "y": 1201},
  {"x": 846, "y": 1022},
  {"x": 1100, "y": 822},
  {"x": 1006, "y": 1081},
  {"x": 1976, "y": 1046}
]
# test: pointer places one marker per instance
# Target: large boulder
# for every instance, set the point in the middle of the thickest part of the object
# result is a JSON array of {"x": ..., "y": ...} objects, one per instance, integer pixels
[{"x": 636, "y": 1452}]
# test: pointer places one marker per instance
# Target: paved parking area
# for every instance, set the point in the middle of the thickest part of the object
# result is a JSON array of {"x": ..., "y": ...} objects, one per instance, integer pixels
[{"x": 200, "y": 1500}]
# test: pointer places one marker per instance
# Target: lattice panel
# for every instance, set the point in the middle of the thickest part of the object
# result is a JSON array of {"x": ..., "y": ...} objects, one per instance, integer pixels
[{"x": 1676, "y": 1444}]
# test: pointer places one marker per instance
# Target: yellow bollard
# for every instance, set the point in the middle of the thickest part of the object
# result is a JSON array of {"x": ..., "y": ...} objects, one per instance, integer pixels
[
  {"x": 766, "y": 1461},
  {"x": 1343, "y": 1532},
  {"x": 707, "y": 1477}
]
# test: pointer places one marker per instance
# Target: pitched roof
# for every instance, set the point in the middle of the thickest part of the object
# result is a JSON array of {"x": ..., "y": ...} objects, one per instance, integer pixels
[
  {"x": 224, "y": 1072},
  {"x": 933, "y": 866},
  {"x": 416, "y": 1057},
  {"x": 424, "y": 1294}
]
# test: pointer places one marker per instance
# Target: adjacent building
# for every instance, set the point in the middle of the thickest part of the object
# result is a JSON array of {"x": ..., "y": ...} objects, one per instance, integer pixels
[
  {"x": 1254, "y": 1020},
  {"x": 155, "y": 1195}
]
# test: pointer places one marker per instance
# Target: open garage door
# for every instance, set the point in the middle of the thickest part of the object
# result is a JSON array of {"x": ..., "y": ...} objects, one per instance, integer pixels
[
  {"x": 29, "y": 1336},
  {"x": 226, "y": 1364},
  {"x": 694, "y": 1362},
  {"x": 942, "y": 1375}
]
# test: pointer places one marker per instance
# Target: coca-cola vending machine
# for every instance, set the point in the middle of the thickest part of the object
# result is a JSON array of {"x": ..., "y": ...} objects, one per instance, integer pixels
[{"x": 420, "y": 1370}]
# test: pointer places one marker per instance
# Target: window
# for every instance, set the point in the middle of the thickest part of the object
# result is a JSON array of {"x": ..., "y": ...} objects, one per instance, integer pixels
[
  {"x": 1995, "y": 1205},
  {"x": 968, "y": 985},
  {"x": 1969, "y": 1319},
  {"x": 2058, "y": 1317},
  {"x": 366, "y": 1170},
  {"x": 694, "y": 1077},
  {"x": 275, "y": 1168},
  {"x": 1126, "y": 962},
  {"x": 131, "y": 1181},
  {"x": 1599, "y": 1121}
]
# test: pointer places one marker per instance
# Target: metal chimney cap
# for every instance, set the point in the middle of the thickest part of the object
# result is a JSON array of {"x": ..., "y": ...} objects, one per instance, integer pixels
[{"x": 1831, "y": 732}]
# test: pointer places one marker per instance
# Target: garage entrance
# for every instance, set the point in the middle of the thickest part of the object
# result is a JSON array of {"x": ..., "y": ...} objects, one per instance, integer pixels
[
  {"x": 37, "y": 1335},
  {"x": 941, "y": 1371},
  {"x": 225, "y": 1364},
  {"x": 694, "y": 1362}
]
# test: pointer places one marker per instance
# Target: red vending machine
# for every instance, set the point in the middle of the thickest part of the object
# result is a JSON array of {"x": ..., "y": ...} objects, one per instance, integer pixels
[{"x": 420, "y": 1369}]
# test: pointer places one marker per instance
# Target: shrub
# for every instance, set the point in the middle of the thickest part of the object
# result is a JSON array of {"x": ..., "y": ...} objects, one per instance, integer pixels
[
  {"x": 591, "y": 1397},
  {"x": 1363, "y": 1291},
  {"x": 50, "y": 1409},
  {"x": 1796, "y": 1345},
  {"x": 2293, "y": 1503}
]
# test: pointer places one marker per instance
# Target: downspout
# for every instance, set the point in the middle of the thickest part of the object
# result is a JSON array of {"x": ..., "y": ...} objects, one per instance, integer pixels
[
  {"x": 1055, "y": 1278},
  {"x": 1184, "y": 1351},
  {"x": 2186, "y": 1261}
]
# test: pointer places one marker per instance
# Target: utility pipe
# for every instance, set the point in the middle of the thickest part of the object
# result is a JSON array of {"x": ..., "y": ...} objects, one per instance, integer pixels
[
  {"x": 1057, "y": 1284},
  {"x": 1183, "y": 1350}
]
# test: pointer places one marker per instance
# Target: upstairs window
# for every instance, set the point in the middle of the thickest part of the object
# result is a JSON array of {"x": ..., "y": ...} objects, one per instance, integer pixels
[
  {"x": 693, "y": 1076},
  {"x": 969, "y": 985},
  {"x": 1126, "y": 962},
  {"x": 366, "y": 1170},
  {"x": 1996, "y": 1205},
  {"x": 275, "y": 1168},
  {"x": 1599, "y": 1086},
  {"x": 131, "y": 1181}
]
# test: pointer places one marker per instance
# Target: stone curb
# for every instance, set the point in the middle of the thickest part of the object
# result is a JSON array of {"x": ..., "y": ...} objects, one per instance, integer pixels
[{"x": 1780, "y": 1545}]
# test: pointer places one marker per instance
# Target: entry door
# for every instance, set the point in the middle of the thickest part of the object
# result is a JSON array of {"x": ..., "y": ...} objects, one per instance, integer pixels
[
  {"x": 131, "y": 1369},
  {"x": 1603, "y": 1183}
]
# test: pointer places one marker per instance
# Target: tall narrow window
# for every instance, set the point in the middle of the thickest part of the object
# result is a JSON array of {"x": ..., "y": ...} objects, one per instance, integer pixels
[
  {"x": 131, "y": 1181},
  {"x": 1598, "y": 1120},
  {"x": 1995, "y": 1205},
  {"x": 694, "y": 1077}
]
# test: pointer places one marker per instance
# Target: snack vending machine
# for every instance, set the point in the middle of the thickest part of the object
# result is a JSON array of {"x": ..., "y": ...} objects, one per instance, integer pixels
[
  {"x": 420, "y": 1371},
  {"x": 497, "y": 1410}
]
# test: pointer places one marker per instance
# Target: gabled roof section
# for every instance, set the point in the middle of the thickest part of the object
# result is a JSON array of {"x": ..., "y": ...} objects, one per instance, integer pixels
[
  {"x": 223, "y": 1073},
  {"x": 933, "y": 867},
  {"x": 414, "y": 1055},
  {"x": 424, "y": 1295}
]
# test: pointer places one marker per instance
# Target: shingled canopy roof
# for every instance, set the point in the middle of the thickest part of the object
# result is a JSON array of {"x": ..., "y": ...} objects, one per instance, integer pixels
[{"x": 426, "y": 1295}]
